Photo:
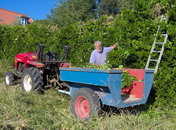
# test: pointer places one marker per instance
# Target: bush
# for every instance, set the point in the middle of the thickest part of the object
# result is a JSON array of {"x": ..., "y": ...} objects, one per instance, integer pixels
[{"x": 133, "y": 30}]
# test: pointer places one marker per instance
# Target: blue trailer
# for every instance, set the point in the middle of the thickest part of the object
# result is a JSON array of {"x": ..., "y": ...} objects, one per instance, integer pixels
[{"x": 91, "y": 88}]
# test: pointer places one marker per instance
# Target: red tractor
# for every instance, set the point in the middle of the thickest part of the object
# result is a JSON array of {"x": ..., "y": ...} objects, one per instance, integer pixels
[{"x": 36, "y": 70}]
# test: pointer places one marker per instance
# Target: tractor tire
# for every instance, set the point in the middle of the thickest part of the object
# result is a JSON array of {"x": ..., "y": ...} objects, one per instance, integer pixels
[
  {"x": 10, "y": 79},
  {"x": 32, "y": 80},
  {"x": 85, "y": 104}
]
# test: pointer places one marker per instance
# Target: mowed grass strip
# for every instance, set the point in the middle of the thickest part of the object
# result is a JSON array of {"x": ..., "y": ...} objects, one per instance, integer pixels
[{"x": 19, "y": 110}]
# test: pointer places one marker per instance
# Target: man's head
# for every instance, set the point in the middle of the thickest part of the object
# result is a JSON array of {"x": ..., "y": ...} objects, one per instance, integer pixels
[{"x": 98, "y": 45}]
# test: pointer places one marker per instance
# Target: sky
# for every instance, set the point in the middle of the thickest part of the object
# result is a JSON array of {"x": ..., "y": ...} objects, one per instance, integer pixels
[{"x": 36, "y": 9}]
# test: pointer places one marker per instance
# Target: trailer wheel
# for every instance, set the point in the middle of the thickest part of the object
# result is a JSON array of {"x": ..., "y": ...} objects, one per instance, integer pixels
[
  {"x": 32, "y": 80},
  {"x": 85, "y": 104},
  {"x": 9, "y": 79}
]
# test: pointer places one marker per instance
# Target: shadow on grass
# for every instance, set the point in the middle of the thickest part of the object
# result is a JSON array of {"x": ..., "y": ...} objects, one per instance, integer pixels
[{"x": 10, "y": 127}]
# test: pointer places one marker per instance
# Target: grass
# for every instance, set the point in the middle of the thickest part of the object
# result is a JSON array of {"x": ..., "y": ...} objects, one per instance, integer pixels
[
  {"x": 20, "y": 110},
  {"x": 51, "y": 111}
]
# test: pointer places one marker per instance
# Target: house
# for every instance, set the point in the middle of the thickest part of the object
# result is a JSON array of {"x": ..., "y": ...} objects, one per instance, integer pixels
[{"x": 10, "y": 17}]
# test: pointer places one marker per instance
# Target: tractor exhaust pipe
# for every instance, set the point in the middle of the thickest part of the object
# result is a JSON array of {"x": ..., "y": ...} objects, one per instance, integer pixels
[{"x": 40, "y": 52}]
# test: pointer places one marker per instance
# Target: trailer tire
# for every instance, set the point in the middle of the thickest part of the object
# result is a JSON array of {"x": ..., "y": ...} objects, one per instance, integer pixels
[
  {"x": 32, "y": 80},
  {"x": 9, "y": 78},
  {"x": 85, "y": 104}
]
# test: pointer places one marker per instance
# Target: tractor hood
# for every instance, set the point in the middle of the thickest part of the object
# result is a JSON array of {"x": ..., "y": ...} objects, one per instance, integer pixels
[{"x": 26, "y": 56}]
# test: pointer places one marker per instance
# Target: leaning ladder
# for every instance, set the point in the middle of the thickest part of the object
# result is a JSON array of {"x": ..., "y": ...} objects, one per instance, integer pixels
[{"x": 153, "y": 63}]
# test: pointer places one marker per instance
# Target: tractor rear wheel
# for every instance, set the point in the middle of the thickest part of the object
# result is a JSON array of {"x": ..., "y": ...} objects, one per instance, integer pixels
[
  {"x": 32, "y": 80},
  {"x": 9, "y": 79},
  {"x": 85, "y": 104}
]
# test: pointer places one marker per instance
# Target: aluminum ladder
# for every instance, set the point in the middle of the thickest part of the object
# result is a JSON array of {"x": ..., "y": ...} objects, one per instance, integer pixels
[{"x": 153, "y": 63}]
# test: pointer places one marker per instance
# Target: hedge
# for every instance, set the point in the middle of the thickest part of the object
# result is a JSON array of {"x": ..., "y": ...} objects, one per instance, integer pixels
[{"x": 134, "y": 31}]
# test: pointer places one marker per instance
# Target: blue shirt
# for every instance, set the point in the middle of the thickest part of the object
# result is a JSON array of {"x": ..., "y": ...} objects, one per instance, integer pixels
[{"x": 100, "y": 58}]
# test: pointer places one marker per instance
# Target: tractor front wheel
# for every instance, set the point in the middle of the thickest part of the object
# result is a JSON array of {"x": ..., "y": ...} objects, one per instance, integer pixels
[
  {"x": 9, "y": 79},
  {"x": 32, "y": 80},
  {"x": 85, "y": 104}
]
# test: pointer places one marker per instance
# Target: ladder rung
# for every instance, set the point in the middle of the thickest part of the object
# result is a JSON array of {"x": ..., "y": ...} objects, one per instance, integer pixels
[
  {"x": 150, "y": 69},
  {"x": 156, "y": 51},
  {"x": 153, "y": 60},
  {"x": 161, "y": 43},
  {"x": 165, "y": 34}
]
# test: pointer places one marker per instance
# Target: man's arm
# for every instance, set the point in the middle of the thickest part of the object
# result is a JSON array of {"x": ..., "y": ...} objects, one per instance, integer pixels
[
  {"x": 92, "y": 58},
  {"x": 108, "y": 49}
]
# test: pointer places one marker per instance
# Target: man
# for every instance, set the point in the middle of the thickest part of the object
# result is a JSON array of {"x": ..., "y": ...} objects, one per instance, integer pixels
[{"x": 99, "y": 55}]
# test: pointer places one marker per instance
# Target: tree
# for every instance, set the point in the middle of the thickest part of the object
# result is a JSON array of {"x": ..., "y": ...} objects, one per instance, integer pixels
[
  {"x": 114, "y": 6},
  {"x": 71, "y": 11}
]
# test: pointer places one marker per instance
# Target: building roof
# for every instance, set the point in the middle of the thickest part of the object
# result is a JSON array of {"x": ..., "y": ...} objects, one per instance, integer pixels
[
  {"x": 9, "y": 17},
  {"x": 11, "y": 12}
]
